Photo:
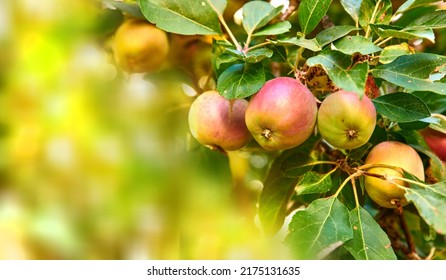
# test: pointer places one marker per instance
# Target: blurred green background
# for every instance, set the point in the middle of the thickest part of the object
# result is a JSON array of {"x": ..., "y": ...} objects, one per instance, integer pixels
[{"x": 95, "y": 164}]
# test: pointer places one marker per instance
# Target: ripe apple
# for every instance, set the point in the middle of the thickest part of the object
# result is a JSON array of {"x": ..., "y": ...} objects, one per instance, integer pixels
[
  {"x": 219, "y": 123},
  {"x": 436, "y": 140},
  {"x": 282, "y": 115},
  {"x": 346, "y": 121},
  {"x": 139, "y": 46},
  {"x": 396, "y": 154}
]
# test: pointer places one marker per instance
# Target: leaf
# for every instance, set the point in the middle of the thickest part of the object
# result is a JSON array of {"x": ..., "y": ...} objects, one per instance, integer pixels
[
  {"x": 411, "y": 4},
  {"x": 276, "y": 193},
  {"x": 258, "y": 55},
  {"x": 337, "y": 64},
  {"x": 430, "y": 202},
  {"x": 356, "y": 44},
  {"x": 413, "y": 72},
  {"x": 310, "y": 44},
  {"x": 391, "y": 53},
  {"x": 385, "y": 31},
  {"x": 257, "y": 14},
  {"x": 401, "y": 107},
  {"x": 432, "y": 20},
  {"x": 369, "y": 241},
  {"x": 352, "y": 7},
  {"x": 332, "y": 34},
  {"x": 274, "y": 29},
  {"x": 383, "y": 12},
  {"x": 313, "y": 182},
  {"x": 241, "y": 80},
  {"x": 319, "y": 229},
  {"x": 187, "y": 17},
  {"x": 132, "y": 9},
  {"x": 296, "y": 165},
  {"x": 435, "y": 102},
  {"x": 311, "y": 12}
]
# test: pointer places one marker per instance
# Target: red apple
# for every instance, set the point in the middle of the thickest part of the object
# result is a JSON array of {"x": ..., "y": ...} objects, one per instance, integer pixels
[
  {"x": 282, "y": 115},
  {"x": 219, "y": 123}
]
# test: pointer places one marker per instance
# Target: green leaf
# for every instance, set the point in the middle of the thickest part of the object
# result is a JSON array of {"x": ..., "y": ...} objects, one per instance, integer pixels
[
  {"x": 411, "y": 4},
  {"x": 297, "y": 164},
  {"x": 257, "y": 14},
  {"x": 311, "y": 12},
  {"x": 132, "y": 9},
  {"x": 310, "y": 44},
  {"x": 225, "y": 57},
  {"x": 241, "y": 80},
  {"x": 391, "y": 53},
  {"x": 385, "y": 31},
  {"x": 383, "y": 12},
  {"x": 435, "y": 102},
  {"x": 274, "y": 29},
  {"x": 276, "y": 193},
  {"x": 401, "y": 107},
  {"x": 337, "y": 65},
  {"x": 352, "y": 7},
  {"x": 413, "y": 72},
  {"x": 433, "y": 20},
  {"x": 430, "y": 202},
  {"x": 187, "y": 17},
  {"x": 319, "y": 229},
  {"x": 356, "y": 44},
  {"x": 332, "y": 34},
  {"x": 313, "y": 182},
  {"x": 369, "y": 241},
  {"x": 258, "y": 55}
]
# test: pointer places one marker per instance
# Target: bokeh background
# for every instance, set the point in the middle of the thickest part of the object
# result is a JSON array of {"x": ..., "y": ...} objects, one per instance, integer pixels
[{"x": 96, "y": 164}]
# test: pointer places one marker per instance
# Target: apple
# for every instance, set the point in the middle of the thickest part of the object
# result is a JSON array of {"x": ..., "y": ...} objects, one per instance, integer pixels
[
  {"x": 397, "y": 154},
  {"x": 435, "y": 137},
  {"x": 436, "y": 140},
  {"x": 345, "y": 121},
  {"x": 282, "y": 115},
  {"x": 219, "y": 123},
  {"x": 139, "y": 46}
]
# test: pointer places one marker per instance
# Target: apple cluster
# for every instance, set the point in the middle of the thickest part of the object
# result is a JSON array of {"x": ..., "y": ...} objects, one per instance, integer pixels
[
  {"x": 284, "y": 113},
  {"x": 280, "y": 116}
]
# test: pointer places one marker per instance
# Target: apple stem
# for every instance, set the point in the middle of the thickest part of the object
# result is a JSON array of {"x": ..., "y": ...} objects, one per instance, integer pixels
[{"x": 267, "y": 133}]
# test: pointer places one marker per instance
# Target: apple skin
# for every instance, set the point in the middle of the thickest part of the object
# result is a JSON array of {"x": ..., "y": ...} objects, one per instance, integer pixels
[
  {"x": 139, "y": 46},
  {"x": 436, "y": 141},
  {"x": 396, "y": 154},
  {"x": 219, "y": 123},
  {"x": 345, "y": 121},
  {"x": 282, "y": 115}
]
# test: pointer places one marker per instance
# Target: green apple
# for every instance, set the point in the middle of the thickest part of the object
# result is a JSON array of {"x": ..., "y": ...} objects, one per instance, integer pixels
[
  {"x": 345, "y": 121},
  {"x": 139, "y": 46}
]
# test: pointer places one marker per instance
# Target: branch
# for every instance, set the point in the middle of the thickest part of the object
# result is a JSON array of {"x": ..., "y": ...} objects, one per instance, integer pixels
[{"x": 294, "y": 4}]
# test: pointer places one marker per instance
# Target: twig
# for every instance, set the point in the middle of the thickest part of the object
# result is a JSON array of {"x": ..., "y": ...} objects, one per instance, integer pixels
[
  {"x": 294, "y": 4},
  {"x": 410, "y": 243}
]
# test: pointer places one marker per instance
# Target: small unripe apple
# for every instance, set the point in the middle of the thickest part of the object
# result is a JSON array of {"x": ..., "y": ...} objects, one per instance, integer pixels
[
  {"x": 219, "y": 123},
  {"x": 399, "y": 155},
  {"x": 282, "y": 115},
  {"x": 346, "y": 121},
  {"x": 139, "y": 46}
]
